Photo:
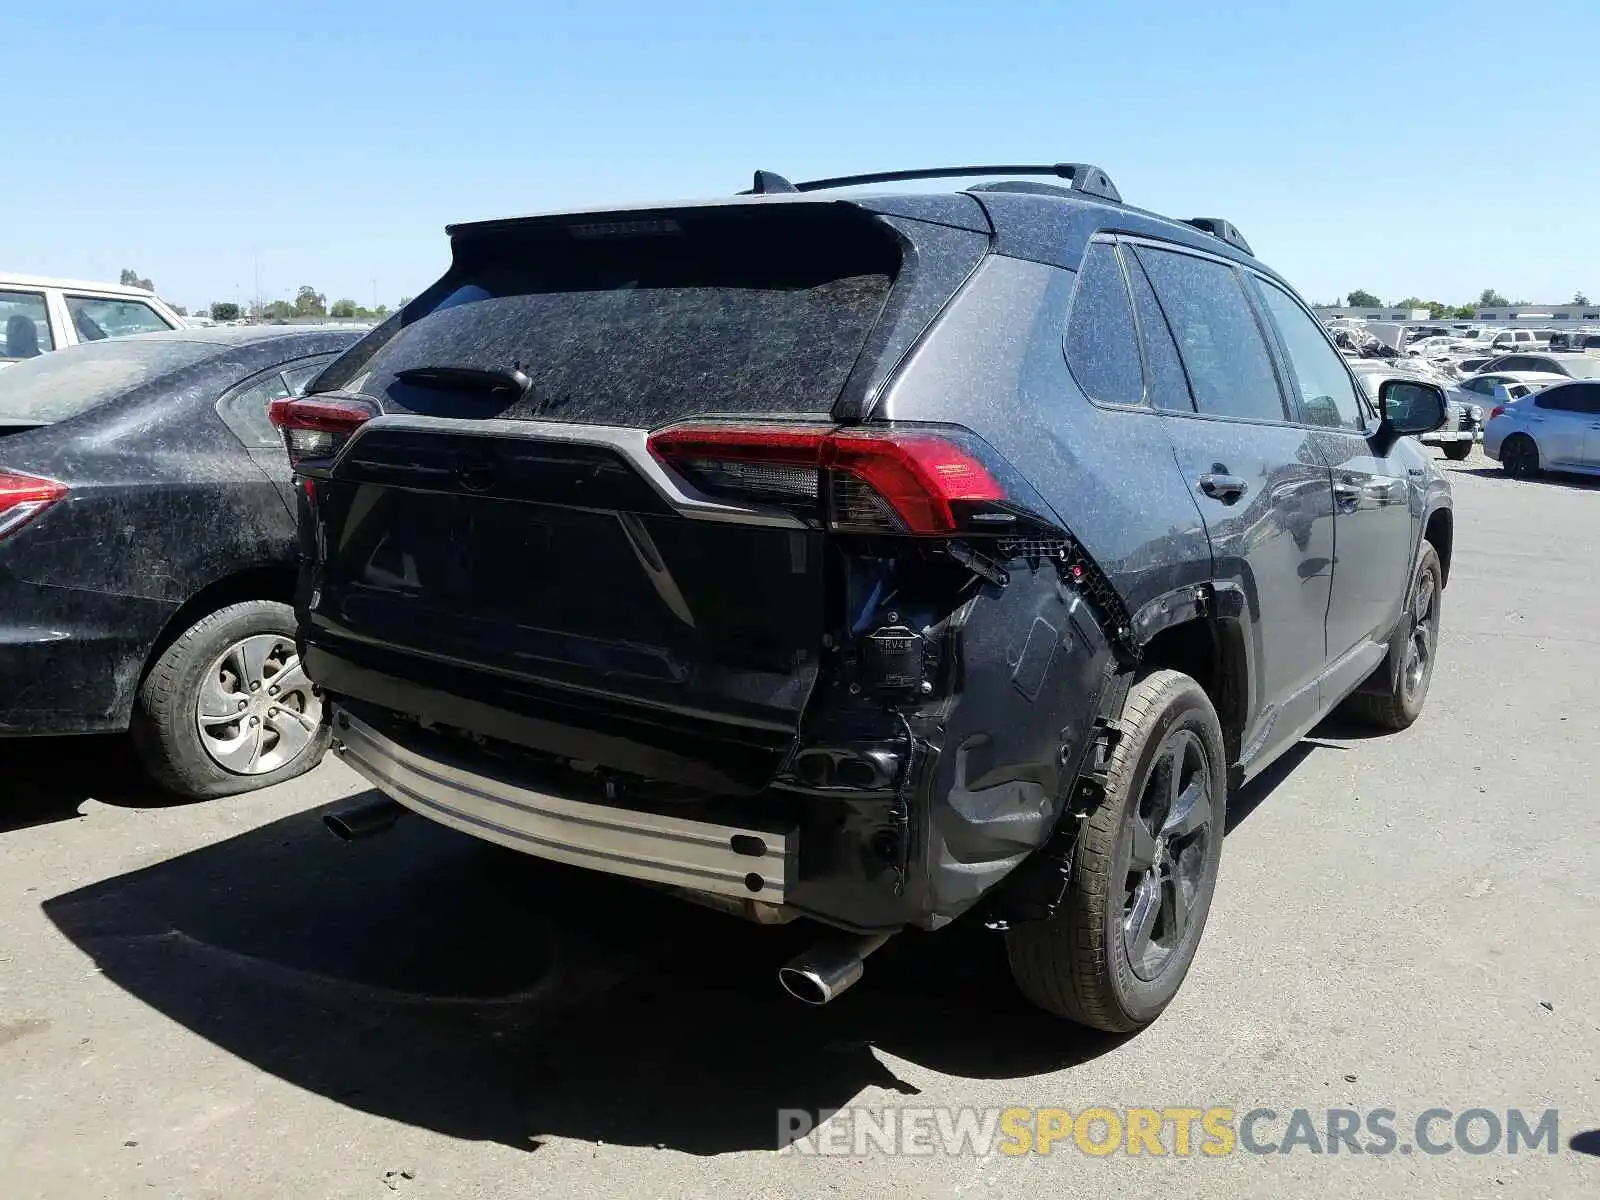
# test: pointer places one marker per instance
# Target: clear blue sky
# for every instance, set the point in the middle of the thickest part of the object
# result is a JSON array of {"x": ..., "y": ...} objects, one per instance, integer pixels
[{"x": 1400, "y": 147}]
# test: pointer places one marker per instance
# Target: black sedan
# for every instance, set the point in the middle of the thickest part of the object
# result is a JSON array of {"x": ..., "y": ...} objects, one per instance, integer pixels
[{"x": 147, "y": 552}]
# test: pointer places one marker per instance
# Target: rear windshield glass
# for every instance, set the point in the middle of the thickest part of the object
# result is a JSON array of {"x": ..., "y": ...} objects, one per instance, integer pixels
[
  {"x": 67, "y": 382},
  {"x": 735, "y": 315}
]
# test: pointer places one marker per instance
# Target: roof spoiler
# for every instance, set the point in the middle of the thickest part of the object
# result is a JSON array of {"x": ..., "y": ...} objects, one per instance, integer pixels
[{"x": 1085, "y": 178}]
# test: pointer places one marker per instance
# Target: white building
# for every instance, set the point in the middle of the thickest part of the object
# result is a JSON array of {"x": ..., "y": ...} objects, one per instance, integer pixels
[{"x": 1541, "y": 314}]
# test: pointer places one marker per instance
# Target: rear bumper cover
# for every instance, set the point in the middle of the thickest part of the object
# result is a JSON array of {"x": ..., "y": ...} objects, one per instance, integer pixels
[
  {"x": 747, "y": 863},
  {"x": 71, "y": 660}
]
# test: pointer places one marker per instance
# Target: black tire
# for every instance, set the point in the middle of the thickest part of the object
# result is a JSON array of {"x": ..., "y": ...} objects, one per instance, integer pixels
[
  {"x": 166, "y": 726},
  {"x": 1078, "y": 964},
  {"x": 1457, "y": 451},
  {"x": 1399, "y": 702},
  {"x": 1519, "y": 456}
]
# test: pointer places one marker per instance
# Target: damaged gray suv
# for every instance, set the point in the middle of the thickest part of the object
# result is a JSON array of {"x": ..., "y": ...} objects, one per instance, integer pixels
[{"x": 869, "y": 558}]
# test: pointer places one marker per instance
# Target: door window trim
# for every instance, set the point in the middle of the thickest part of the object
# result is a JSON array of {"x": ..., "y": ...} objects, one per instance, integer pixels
[{"x": 1363, "y": 403}]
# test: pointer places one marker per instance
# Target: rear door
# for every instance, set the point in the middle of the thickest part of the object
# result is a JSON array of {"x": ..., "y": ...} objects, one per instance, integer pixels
[
  {"x": 1559, "y": 419},
  {"x": 504, "y": 532},
  {"x": 1262, "y": 488}
]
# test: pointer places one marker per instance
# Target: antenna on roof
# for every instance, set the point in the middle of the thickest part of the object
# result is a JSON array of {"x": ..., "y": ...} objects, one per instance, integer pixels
[{"x": 769, "y": 183}]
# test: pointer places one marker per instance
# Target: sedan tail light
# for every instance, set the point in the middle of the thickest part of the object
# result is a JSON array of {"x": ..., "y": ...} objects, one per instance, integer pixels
[
  {"x": 23, "y": 497},
  {"x": 316, "y": 428},
  {"x": 904, "y": 480},
  {"x": 1498, "y": 409}
]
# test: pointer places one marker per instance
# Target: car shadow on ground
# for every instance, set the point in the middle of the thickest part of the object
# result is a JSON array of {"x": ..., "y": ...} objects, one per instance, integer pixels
[
  {"x": 48, "y": 779},
  {"x": 1582, "y": 483},
  {"x": 431, "y": 979}
]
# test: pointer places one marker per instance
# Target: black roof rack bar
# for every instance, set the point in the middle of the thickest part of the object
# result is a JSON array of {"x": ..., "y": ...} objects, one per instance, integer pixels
[
  {"x": 1085, "y": 178},
  {"x": 1225, "y": 230}
]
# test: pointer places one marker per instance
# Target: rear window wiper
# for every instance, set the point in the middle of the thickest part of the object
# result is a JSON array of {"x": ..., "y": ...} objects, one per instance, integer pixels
[{"x": 494, "y": 381}]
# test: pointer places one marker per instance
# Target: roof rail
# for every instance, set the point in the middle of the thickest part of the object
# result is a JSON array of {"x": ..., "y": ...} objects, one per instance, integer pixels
[
  {"x": 1218, "y": 228},
  {"x": 1085, "y": 178}
]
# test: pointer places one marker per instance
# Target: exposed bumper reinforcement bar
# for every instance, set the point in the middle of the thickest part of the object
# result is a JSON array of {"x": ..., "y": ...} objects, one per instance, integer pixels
[{"x": 753, "y": 864}]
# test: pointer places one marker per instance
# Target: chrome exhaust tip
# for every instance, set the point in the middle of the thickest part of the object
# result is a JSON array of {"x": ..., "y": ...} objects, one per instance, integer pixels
[
  {"x": 363, "y": 820},
  {"x": 829, "y": 968}
]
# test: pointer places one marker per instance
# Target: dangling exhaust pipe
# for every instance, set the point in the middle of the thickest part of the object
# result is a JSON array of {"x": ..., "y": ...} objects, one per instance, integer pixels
[
  {"x": 363, "y": 820},
  {"x": 829, "y": 967}
]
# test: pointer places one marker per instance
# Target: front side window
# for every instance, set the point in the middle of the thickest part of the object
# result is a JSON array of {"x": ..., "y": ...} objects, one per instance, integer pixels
[
  {"x": 96, "y": 318},
  {"x": 1484, "y": 387},
  {"x": 1327, "y": 393},
  {"x": 24, "y": 325},
  {"x": 1223, "y": 350},
  {"x": 1102, "y": 347}
]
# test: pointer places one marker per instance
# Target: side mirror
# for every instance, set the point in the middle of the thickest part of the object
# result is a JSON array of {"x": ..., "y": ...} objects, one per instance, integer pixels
[{"x": 1411, "y": 406}]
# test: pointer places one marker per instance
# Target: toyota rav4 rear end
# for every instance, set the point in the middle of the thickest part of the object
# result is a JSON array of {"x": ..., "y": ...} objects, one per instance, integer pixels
[{"x": 607, "y": 558}]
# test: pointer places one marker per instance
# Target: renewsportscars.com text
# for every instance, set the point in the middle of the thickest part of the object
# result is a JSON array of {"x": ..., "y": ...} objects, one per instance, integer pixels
[{"x": 1180, "y": 1131}]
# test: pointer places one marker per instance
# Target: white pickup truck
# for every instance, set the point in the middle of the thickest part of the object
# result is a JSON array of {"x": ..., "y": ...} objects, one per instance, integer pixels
[{"x": 39, "y": 314}]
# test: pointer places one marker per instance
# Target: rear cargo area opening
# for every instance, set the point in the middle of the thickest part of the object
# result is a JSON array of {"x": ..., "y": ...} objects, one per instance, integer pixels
[{"x": 751, "y": 309}]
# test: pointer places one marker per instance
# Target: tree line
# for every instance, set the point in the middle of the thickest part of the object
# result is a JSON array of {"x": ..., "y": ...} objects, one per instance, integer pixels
[
  {"x": 307, "y": 302},
  {"x": 1488, "y": 298}
]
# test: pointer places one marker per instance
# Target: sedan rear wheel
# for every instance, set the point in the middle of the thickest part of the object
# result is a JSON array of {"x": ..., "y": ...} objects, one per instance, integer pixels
[
  {"x": 1520, "y": 456},
  {"x": 227, "y": 707}
]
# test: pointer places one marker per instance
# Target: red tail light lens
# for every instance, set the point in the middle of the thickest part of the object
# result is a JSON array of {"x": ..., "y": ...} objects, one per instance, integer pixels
[
  {"x": 23, "y": 497},
  {"x": 317, "y": 428},
  {"x": 863, "y": 479},
  {"x": 1498, "y": 409}
]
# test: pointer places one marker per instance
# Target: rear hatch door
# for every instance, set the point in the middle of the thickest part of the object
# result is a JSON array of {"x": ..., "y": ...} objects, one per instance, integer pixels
[{"x": 503, "y": 533}]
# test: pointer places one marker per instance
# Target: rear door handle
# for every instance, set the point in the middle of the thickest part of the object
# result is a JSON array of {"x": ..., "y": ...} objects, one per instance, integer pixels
[{"x": 1227, "y": 488}]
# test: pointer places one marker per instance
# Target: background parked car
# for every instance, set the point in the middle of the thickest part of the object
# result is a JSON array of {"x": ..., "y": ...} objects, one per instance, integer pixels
[
  {"x": 38, "y": 314},
  {"x": 1572, "y": 365},
  {"x": 147, "y": 552},
  {"x": 1558, "y": 428},
  {"x": 1490, "y": 385}
]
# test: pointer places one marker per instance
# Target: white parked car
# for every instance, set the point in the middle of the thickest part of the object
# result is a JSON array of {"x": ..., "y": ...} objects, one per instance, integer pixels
[
  {"x": 1497, "y": 385},
  {"x": 39, "y": 314},
  {"x": 1556, "y": 427}
]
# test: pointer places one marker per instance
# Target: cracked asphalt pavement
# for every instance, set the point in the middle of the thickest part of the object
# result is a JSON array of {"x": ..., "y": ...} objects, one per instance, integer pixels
[{"x": 222, "y": 1000}]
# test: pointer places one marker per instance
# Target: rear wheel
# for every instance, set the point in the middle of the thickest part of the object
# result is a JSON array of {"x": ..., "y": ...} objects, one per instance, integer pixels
[
  {"x": 1400, "y": 702},
  {"x": 1144, "y": 868},
  {"x": 1457, "y": 451},
  {"x": 227, "y": 707},
  {"x": 1519, "y": 455}
]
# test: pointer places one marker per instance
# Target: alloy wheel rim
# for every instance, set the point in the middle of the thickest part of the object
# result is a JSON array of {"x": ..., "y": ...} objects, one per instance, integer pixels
[
  {"x": 257, "y": 711},
  {"x": 1424, "y": 629},
  {"x": 1170, "y": 830}
]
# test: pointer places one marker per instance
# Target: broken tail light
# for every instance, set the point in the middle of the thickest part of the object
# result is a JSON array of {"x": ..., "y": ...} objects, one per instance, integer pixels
[
  {"x": 878, "y": 479},
  {"x": 315, "y": 427},
  {"x": 23, "y": 497}
]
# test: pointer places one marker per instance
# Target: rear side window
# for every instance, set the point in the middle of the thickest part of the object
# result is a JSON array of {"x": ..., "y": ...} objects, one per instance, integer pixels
[
  {"x": 244, "y": 410},
  {"x": 96, "y": 319},
  {"x": 1102, "y": 347},
  {"x": 1168, "y": 388},
  {"x": 24, "y": 325},
  {"x": 56, "y": 386},
  {"x": 1230, "y": 369},
  {"x": 731, "y": 311},
  {"x": 1571, "y": 397}
]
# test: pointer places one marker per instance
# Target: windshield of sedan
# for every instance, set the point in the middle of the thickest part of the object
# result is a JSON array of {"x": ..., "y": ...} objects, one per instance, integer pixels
[
  {"x": 65, "y": 383},
  {"x": 1582, "y": 368}
]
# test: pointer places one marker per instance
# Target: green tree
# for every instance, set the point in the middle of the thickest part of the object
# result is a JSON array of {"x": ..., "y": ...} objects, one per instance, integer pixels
[
  {"x": 405, "y": 300},
  {"x": 308, "y": 302},
  {"x": 224, "y": 311},
  {"x": 180, "y": 310},
  {"x": 278, "y": 310},
  {"x": 1489, "y": 298},
  {"x": 1361, "y": 299},
  {"x": 130, "y": 278},
  {"x": 381, "y": 311},
  {"x": 1579, "y": 298},
  {"x": 1411, "y": 302},
  {"x": 1464, "y": 312},
  {"x": 344, "y": 309}
]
